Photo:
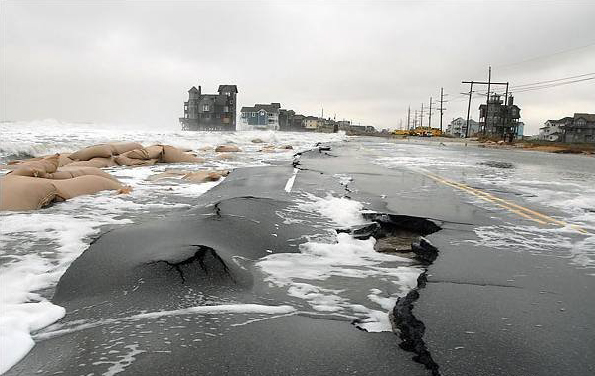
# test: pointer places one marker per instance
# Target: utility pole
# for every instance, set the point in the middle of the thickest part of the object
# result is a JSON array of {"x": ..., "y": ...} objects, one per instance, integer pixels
[
  {"x": 485, "y": 120},
  {"x": 489, "y": 83},
  {"x": 400, "y": 124},
  {"x": 441, "y": 106},
  {"x": 430, "y": 115},
  {"x": 415, "y": 120},
  {"x": 469, "y": 110},
  {"x": 421, "y": 116},
  {"x": 408, "y": 116}
]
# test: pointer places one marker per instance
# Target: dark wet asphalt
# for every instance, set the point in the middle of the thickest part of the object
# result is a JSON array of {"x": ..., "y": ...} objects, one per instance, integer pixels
[{"x": 486, "y": 312}]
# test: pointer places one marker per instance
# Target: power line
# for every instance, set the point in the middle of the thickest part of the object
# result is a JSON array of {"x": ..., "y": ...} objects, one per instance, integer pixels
[
  {"x": 522, "y": 90},
  {"x": 556, "y": 80},
  {"x": 546, "y": 55}
]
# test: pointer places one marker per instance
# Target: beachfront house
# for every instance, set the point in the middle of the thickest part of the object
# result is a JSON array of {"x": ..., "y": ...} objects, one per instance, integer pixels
[
  {"x": 580, "y": 129},
  {"x": 261, "y": 116},
  {"x": 553, "y": 130},
  {"x": 210, "y": 112},
  {"x": 458, "y": 127}
]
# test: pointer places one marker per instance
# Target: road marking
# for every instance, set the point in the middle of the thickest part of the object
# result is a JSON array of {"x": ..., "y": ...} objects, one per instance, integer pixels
[
  {"x": 510, "y": 206},
  {"x": 291, "y": 180}
]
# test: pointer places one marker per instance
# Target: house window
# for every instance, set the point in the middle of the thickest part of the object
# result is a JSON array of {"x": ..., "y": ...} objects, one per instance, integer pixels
[
  {"x": 254, "y": 114},
  {"x": 225, "y": 108},
  {"x": 205, "y": 107}
]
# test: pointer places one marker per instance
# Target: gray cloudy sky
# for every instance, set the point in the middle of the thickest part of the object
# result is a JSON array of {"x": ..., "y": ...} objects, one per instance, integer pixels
[{"x": 132, "y": 62}]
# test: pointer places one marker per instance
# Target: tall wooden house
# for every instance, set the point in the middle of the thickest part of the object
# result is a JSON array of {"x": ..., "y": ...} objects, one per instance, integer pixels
[{"x": 210, "y": 112}]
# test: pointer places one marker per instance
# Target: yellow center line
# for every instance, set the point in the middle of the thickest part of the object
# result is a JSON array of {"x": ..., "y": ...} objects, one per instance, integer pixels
[{"x": 510, "y": 206}]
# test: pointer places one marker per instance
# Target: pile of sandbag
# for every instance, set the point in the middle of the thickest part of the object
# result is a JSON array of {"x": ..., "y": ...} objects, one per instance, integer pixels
[
  {"x": 21, "y": 192},
  {"x": 37, "y": 182},
  {"x": 131, "y": 154}
]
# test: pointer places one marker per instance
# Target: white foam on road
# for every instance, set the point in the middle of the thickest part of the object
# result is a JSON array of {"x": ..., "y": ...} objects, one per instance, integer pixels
[
  {"x": 58, "y": 330},
  {"x": 37, "y": 247},
  {"x": 342, "y": 211},
  {"x": 309, "y": 274}
]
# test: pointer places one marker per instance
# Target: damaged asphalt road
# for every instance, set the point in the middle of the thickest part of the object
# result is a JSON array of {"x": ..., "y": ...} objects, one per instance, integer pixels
[{"x": 451, "y": 324}]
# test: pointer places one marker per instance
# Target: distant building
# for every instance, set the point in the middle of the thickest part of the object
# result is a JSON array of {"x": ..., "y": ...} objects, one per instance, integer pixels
[
  {"x": 285, "y": 119},
  {"x": 458, "y": 127},
  {"x": 311, "y": 123},
  {"x": 498, "y": 119},
  {"x": 206, "y": 112},
  {"x": 580, "y": 129},
  {"x": 553, "y": 130},
  {"x": 261, "y": 116}
]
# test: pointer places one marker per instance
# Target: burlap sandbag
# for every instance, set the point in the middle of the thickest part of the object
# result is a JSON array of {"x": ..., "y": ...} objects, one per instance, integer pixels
[
  {"x": 19, "y": 161},
  {"x": 94, "y": 162},
  {"x": 37, "y": 168},
  {"x": 227, "y": 149},
  {"x": 64, "y": 159},
  {"x": 83, "y": 185},
  {"x": 202, "y": 176},
  {"x": 174, "y": 155},
  {"x": 67, "y": 172},
  {"x": 150, "y": 152},
  {"x": 25, "y": 193},
  {"x": 95, "y": 151},
  {"x": 123, "y": 160},
  {"x": 122, "y": 147},
  {"x": 225, "y": 157}
]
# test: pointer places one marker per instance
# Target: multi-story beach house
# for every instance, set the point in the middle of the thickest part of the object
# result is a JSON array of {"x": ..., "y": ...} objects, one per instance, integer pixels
[
  {"x": 458, "y": 127},
  {"x": 499, "y": 118},
  {"x": 553, "y": 130},
  {"x": 260, "y": 116},
  {"x": 578, "y": 128},
  {"x": 210, "y": 112}
]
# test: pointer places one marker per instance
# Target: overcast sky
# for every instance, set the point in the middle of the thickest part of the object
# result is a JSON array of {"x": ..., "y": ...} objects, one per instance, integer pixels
[{"x": 133, "y": 62}]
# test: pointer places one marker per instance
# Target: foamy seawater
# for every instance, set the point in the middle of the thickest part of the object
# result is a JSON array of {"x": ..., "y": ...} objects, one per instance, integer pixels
[
  {"x": 561, "y": 186},
  {"x": 37, "y": 247}
]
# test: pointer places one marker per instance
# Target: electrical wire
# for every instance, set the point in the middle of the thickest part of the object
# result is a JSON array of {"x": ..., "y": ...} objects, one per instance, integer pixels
[{"x": 556, "y": 80}]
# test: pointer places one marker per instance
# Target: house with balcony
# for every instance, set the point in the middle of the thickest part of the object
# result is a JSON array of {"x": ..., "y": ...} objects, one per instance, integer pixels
[
  {"x": 581, "y": 129},
  {"x": 260, "y": 116},
  {"x": 458, "y": 127},
  {"x": 210, "y": 112},
  {"x": 553, "y": 130}
]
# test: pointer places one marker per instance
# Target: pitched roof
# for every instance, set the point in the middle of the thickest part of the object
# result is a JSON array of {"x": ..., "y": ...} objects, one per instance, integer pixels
[
  {"x": 230, "y": 88},
  {"x": 273, "y": 107},
  {"x": 588, "y": 117},
  {"x": 193, "y": 89}
]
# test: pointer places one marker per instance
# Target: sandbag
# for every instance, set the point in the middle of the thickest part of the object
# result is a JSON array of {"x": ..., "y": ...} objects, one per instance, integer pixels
[
  {"x": 95, "y": 151},
  {"x": 94, "y": 162},
  {"x": 227, "y": 149},
  {"x": 83, "y": 185},
  {"x": 64, "y": 159},
  {"x": 37, "y": 168},
  {"x": 25, "y": 193},
  {"x": 150, "y": 152},
  {"x": 123, "y": 160},
  {"x": 75, "y": 171},
  {"x": 225, "y": 156},
  {"x": 174, "y": 155},
  {"x": 202, "y": 176},
  {"x": 122, "y": 147},
  {"x": 19, "y": 161}
]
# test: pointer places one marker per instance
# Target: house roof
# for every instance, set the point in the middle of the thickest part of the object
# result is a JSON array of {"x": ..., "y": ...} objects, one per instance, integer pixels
[
  {"x": 273, "y": 107},
  {"x": 230, "y": 88},
  {"x": 588, "y": 117},
  {"x": 193, "y": 89}
]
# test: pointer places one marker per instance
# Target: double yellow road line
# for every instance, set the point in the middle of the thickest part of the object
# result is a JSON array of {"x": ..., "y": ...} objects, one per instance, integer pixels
[{"x": 522, "y": 211}]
